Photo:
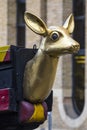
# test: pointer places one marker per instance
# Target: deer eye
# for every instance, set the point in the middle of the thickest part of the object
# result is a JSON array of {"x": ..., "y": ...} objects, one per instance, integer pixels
[{"x": 54, "y": 36}]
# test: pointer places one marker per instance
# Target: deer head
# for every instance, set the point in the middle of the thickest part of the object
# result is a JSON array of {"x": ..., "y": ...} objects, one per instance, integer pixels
[{"x": 56, "y": 40}]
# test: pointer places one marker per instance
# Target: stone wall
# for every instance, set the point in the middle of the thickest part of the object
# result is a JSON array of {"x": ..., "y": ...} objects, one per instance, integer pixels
[
  {"x": 3, "y": 22},
  {"x": 11, "y": 22},
  {"x": 33, "y": 6},
  {"x": 7, "y": 22}
]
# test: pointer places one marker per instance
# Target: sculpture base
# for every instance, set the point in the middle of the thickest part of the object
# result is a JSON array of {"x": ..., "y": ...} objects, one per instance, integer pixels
[{"x": 32, "y": 112}]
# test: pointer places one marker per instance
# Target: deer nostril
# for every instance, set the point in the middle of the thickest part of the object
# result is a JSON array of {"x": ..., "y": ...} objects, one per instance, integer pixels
[{"x": 75, "y": 48}]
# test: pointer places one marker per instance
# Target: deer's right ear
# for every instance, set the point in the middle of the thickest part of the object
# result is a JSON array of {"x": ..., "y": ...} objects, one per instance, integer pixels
[
  {"x": 35, "y": 24},
  {"x": 69, "y": 24}
]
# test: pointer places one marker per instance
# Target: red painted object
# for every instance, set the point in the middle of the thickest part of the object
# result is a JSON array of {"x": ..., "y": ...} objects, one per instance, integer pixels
[
  {"x": 7, "y": 57},
  {"x": 27, "y": 110},
  {"x": 4, "y": 99}
]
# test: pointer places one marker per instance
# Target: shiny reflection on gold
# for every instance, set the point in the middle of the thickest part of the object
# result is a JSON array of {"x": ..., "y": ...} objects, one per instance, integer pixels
[{"x": 40, "y": 71}]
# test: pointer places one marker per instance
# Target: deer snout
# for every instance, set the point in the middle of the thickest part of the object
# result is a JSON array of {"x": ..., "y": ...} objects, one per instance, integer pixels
[{"x": 75, "y": 47}]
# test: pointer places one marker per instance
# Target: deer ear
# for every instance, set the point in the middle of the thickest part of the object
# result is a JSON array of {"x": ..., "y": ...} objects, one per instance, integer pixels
[
  {"x": 69, "y": 23},
  {"x": 35, "y": 23}
]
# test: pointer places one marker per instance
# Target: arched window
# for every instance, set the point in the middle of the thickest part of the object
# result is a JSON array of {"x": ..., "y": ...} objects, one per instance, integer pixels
[{"x": 79, "y": 59}]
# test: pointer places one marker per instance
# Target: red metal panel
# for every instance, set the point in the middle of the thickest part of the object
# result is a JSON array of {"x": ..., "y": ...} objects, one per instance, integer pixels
[
  {"x": 7, "y": 56},
  {"x": 4, "y": 99}
]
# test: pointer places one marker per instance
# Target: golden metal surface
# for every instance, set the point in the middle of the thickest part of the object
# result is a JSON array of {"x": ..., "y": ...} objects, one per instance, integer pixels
[{"x": 40, "y": 72}]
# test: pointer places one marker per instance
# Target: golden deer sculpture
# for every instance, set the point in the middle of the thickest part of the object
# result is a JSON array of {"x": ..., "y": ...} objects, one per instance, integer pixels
[{"x": 40, "y": 71}]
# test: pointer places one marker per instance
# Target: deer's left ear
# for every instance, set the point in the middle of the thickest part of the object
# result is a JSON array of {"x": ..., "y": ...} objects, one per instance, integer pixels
[
  {"x": 69, "y": 23},
  {"x": 35, "y": 24}
]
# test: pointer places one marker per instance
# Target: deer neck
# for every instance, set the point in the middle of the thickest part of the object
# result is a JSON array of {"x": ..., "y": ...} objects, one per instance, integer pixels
[
  {"x": 39, "y": 76},
  {"x": 45, "y": 64}
]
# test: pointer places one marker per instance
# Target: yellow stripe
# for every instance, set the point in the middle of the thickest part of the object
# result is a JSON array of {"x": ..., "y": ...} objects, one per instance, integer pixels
[
  {"x": 38, "y": 114},
  {"x": 80, "y": 61},
  {"x": 80, "y": 57},
  {"x": 3, "y": 51}
]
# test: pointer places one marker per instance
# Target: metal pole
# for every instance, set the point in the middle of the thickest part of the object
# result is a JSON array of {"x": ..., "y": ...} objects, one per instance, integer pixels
[{"x": 49, "y": 120}]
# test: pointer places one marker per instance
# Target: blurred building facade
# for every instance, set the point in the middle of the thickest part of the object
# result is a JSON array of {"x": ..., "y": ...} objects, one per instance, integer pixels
[{"x": 69, "y": 105}]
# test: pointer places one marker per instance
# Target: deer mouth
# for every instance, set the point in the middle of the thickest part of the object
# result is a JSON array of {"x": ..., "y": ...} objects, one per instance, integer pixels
[{"x": 74, "y": 49}]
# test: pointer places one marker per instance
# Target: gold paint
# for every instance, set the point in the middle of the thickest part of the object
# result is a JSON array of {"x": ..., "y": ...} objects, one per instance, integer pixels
[
  {"x": 40, "y": 71},
  {"x": 38, "y": 114}
]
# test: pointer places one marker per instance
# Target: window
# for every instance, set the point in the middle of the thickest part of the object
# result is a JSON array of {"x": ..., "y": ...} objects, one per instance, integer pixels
[
  {"x": 20, "y": 23},
  {"x": 79, "y": 59}
]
